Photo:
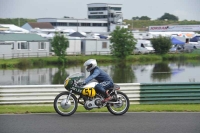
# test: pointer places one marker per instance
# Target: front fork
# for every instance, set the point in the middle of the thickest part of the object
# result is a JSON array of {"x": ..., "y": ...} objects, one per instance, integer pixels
[{"x": 70, "y": 92}]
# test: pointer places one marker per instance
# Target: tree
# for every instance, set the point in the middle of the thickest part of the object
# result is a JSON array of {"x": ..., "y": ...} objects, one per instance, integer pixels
[
  {"x": 60, "y": 44},
  {"x": 123, "y": 42},
  {"x": 66, "y": 17},
  {"x": 144, "y": 18},
  {"x": 158, "y": 68},
  {"x": 135, "y": 18},
  {"x": 169, "y": 17},
  {"x": 118, "y": 71},
  {"x": 60, "y": 75},
  {"x": 161, "y": 44},
  {"x": 141, "y": 18}
]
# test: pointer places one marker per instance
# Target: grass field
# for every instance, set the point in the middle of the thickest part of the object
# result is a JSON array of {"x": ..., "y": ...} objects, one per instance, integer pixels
[{"x": 24, "y": 109}]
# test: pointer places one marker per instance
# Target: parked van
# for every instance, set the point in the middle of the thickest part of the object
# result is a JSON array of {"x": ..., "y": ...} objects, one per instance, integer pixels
[
  {"x": 146, "y": 44},
  {"x": 140, "y": 50},
  {"x": 189, "y": 47}
]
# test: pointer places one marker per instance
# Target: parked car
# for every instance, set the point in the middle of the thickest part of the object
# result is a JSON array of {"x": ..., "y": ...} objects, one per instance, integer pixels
[
  {"x": 140, "y": 50},
  {"x": 176, "y": 48}
]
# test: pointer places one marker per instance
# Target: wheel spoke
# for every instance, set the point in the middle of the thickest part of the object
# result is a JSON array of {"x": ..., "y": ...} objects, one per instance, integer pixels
[
  {"x": 121, "y": 107},
  {"x": 63, "y": 106}
]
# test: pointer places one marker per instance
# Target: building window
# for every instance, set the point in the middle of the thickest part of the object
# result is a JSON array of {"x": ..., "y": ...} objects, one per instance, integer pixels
[
  {"x": 116, "y": 8},
  {"x": 42, "y": 45},
  {"x": 97, "y": 8},
  {"x": 85, "y": 24},
  {"x": 104, "y": 45},
  {"x": 23, "y": 45},
  {"x": 73, "y": 24},
  {"x": 53, "y": 23},
  {"x": 96, "y": 24},
  {"x": 97, "y": 16},
  {"x": 94, "y": 13},
  {"x": 12, "y": 45},
  {"x": 105, "y": 24},
  {"x": 62, "y": 24}
]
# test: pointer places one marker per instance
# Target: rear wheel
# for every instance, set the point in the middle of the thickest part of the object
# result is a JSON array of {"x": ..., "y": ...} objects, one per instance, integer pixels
[
  {"x": 64, "y": 104},
  {"x": 121, "y": 106}
]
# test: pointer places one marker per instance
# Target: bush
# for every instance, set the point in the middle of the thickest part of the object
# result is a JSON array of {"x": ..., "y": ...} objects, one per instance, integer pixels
[
  {"x": 123, "y": 43},
  {"x": 161, "y": 44}
]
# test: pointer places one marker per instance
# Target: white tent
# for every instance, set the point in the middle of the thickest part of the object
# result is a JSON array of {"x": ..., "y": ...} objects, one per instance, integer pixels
[{"x": 14, "y": 29}]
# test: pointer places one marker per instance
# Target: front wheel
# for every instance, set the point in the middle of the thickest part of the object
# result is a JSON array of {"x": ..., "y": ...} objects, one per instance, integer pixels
[
  {"x": 65, "y": 104},
  {"x": 121, "y": 106}
]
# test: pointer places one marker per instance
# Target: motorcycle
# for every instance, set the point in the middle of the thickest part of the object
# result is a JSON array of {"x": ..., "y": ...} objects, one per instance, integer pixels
[{"x": 66, "y": 103}]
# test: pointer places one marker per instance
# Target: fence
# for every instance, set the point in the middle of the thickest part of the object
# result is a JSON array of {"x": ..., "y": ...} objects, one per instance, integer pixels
[
  {"x": 22, "y": 55},
  {"x": 46, "y": 54},
  {"x": 157, "y": 93}
]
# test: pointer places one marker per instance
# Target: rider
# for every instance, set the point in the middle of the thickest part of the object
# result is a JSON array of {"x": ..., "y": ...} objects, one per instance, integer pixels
[{"x": 105, "y": 82}]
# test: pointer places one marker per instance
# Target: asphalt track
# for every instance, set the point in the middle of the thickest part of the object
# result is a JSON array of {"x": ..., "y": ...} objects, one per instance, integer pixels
[{"x": 101, "y": 123}]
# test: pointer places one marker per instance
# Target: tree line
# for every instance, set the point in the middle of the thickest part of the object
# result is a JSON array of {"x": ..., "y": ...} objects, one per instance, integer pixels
[
  {"x": 123, "y": 44},
  {"x": 166, "y": 16}
]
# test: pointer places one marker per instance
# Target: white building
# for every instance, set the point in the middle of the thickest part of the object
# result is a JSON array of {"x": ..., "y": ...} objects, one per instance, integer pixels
[
  {"x": 15, "y": 45},
  {"x": 74, "y": 46},
  {"x": 102, "y": 17},
  {"x": 95, "y": 47}
]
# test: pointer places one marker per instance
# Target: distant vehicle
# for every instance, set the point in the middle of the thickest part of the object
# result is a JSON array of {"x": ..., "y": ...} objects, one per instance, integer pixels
[
  {"x": 189, "y": 48},
  {"x": 146, "y": 44},
  {"x": 140, "y": 50},
  {"x": 176, "y": 48},
  {"x": 195, "y": 41}
]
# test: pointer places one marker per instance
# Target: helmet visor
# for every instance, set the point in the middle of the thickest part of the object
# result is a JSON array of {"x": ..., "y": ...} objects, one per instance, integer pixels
[{"x": 88, "y": 67}]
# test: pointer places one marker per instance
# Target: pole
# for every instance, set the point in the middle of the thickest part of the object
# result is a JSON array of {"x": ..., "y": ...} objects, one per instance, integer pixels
[
  {"x": 77, "y": 25},
  {"x": 132, "y": 25}
]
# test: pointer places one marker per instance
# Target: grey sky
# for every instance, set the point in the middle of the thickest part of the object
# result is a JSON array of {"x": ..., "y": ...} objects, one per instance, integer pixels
[{"x": 184, "y": 9}]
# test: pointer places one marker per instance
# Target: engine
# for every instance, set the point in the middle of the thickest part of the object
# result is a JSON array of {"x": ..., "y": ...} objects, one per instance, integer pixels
[{"x": 94, "y": 103}]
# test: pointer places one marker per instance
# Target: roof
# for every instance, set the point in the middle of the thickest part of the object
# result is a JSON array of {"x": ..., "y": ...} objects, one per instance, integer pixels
[
  {"x": 13, "y": 27},
  {"x": 76, "y": 34},
  {"x": 104, "y": 3},
  {"x": 21, "y": 37},
  {"x": 76, "y": 19},
  {"x": 41, "y": 25}
]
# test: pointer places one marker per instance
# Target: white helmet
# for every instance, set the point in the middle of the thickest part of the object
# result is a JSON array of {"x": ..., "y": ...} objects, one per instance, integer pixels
[{"x": 90, "y": 64}]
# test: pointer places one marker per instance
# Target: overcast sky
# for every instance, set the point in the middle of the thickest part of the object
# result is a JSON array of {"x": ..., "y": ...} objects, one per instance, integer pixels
[{"x": 184, "y": 9}]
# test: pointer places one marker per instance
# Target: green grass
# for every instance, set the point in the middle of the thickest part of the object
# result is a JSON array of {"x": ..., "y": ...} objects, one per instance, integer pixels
[
  {"x": 73, "y": 60},
  {"x": 23, "y": 109}
]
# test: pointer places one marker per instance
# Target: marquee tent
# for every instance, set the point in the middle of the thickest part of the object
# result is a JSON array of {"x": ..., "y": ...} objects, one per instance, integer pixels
[{"x": 176, "y": 41}]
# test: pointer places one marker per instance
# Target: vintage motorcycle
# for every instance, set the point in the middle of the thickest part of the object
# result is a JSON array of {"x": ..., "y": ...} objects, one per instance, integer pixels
[{"x": 66, "y": 103}]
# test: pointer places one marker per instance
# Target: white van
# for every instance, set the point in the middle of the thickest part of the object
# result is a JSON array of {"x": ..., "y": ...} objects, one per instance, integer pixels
[{"x": 145, "y": 44}]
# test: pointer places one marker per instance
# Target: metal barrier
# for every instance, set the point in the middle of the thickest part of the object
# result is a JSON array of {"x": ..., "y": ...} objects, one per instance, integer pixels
[
  {"x": 143, "y": 93},
  {"x": 159, "y": 93}
]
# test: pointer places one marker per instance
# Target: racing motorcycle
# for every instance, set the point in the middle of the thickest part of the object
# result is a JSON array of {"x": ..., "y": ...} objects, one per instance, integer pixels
[{"x": 66, "y": 103}]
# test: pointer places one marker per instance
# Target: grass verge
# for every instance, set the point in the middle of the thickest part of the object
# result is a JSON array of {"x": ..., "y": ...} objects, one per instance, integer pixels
[
  {"x": 24, "y": 109},
  {"x": 72, "y": 60}
]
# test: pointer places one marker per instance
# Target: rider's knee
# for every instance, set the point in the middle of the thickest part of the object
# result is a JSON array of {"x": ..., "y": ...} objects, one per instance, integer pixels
[{"x": 99, "y": 87}]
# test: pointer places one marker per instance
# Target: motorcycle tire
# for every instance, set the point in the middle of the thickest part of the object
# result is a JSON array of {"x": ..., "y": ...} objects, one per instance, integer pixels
[
  {"x": 64, "y": 107},
  {"x": 121, "y": 107}
]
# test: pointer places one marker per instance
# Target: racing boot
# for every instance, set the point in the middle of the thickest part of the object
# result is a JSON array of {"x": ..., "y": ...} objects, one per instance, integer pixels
[{"x": 107, "y": 98}]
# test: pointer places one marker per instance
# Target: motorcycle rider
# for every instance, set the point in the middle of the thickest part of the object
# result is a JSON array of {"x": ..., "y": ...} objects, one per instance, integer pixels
[{"x": 105, "y": 82}]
